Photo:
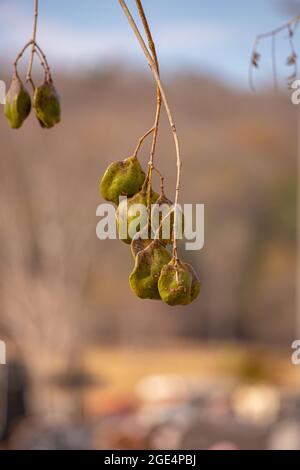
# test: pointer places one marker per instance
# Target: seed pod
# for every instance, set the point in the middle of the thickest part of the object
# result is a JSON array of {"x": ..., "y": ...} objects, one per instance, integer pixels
[
  {"x": 140, "y": 241},
  {"x": 126, "y": 213},
  {"x": 178, "y": 284},
  {"x": 158, "y": 217},
  {"x": 196, "y": 286},
  {"x": 148, "y": 265},
  {"x": 122, "y": 179},
  {"x": 18, "y": 103},
  {"x": 47, "y": 105}
]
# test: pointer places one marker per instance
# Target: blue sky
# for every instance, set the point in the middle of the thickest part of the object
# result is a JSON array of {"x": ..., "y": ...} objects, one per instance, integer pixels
[{"x": 210, "y": 36}]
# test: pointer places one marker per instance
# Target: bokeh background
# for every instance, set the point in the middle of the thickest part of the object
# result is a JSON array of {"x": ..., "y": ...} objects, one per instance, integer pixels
[{"x": 88, "y": 364}]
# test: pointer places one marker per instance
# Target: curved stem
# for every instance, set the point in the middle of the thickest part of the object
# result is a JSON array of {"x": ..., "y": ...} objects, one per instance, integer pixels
[
  {"x": 19, "y": 56},
  {"x": 142, "y": 140},
  {"x": 167, "y": 107},
  {"x": 48, "y": 72},
  {"x": 42, "y": 62}
]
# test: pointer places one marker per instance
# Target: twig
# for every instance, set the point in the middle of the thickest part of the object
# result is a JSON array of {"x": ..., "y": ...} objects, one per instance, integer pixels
[
  {"x": 35, "y": 18},
  {"x": 167, "y": 107},
  {"x": 20, "y": 55},
  {"x": 158, "y": 104},
  {"x": 47, "y": 67},
  {"x": 158, "y": 94},
  {"x": 162, "y": 179},
  {"x": 140, "y": 142},
  {"x": 274, "y": 62}
]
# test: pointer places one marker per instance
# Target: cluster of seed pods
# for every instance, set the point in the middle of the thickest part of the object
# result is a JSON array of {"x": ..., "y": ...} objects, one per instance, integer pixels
[
  {"x": 156, "y": 273},
  {"x": 46, "y": 104},
  {"x": 45, "y": 100}
]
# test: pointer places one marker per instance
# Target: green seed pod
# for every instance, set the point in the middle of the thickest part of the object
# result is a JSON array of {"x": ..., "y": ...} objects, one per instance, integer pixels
[
  {"x": 126, "y": 213},
  {"x": 196, "y": 286},
  {"x": 148, "y": 265},
  {"x": 18, "y": 103},
  {"x": 47, "y": 105},
  {"x": 122, "y": 179},
  {"x": 140, "y": 241},
  {"x": 178, "y": 284}
]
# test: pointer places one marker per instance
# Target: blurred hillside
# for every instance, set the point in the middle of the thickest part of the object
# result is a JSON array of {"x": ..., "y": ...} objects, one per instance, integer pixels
[{"x": 60, "y": 283}]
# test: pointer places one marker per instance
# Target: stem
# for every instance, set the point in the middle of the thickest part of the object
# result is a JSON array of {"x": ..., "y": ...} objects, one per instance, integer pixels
[
  {"x": 19, "y": 56},
  {"x": 35, "y": 18},
  {"x": 155, "y": 59},
  {"x": 158, "y": 103},
  {"x": 281, "y": 28},
  {"x": 45, "y": 61},
  {"x": 274, "y": 62},
  {"x": 142, "y": 140},
  {"x": 42, "y": 62},
  {"x": 166, "y": 104},
  {"x": 162, "y": 179}
]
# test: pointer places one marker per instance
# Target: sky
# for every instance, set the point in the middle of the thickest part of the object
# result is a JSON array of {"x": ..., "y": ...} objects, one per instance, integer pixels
[{"x": 208, "y": 36}]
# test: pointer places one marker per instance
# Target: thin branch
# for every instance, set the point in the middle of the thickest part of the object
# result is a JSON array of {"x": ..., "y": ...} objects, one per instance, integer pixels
[
  {"x": 167, "y": 107},
  {"x": 20, "y": 55},
  {"x": 274, "y": 62},
  {"x": 35, "y": 18},
  {"x": 141, "y": 140},
  {"x": 158, "y": 103},
  {"x": 155, "y": 59},
  {"x": 48, "y": 71},
  {"x": 162, "y": 179},
  {"x": 43, "y": 63}
]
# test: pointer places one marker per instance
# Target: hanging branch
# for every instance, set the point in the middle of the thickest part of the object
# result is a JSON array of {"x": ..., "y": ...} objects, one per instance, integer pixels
[
  {"x": 44, "y": 99},
  {"x": 35, "y": 50},
  {"x": 158, "y": 98},
  {"x": 290, "y": 28},
  {"x": 154, "y": 70},
  {"x": 141, "y": 140}
]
